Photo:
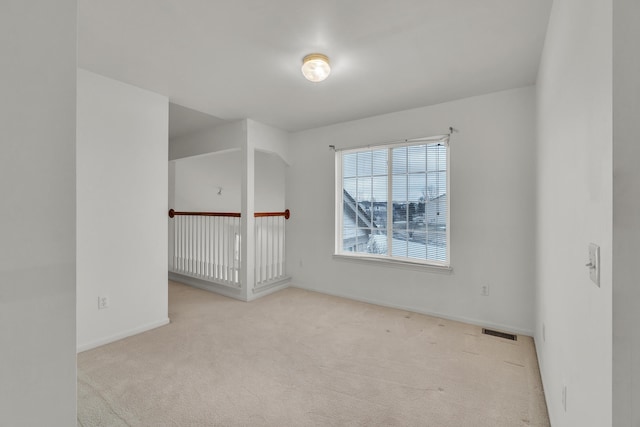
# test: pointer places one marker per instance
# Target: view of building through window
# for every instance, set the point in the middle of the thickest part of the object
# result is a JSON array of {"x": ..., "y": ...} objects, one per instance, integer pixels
[{"x": 394, "y": 202}]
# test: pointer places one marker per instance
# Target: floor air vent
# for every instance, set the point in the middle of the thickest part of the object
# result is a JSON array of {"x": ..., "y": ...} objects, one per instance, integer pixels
[{"x": 504, "y": 335}]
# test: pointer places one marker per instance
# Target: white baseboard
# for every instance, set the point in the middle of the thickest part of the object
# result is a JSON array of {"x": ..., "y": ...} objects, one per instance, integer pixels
[
  {"x": 270, "y": 288},
  {"x": 217, "y": 288},
  {"x": 481, "y": 323},
  {"x": 229, "y": 291},
  {"x": 116, "y": 337}
]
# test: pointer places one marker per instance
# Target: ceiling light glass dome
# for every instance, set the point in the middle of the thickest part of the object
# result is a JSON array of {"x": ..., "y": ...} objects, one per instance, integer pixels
[{"x": 315, "y": 67}]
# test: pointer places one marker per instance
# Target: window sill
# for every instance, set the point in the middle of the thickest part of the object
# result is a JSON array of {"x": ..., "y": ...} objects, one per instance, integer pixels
[{"x": 434, "y": 268}]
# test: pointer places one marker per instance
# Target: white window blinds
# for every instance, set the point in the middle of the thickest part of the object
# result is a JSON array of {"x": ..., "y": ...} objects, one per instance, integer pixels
[{"x": 393, "y": 202}]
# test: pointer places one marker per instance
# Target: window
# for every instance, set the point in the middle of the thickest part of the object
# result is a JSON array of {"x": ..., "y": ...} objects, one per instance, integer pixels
[{"x": 393, "y": 202}]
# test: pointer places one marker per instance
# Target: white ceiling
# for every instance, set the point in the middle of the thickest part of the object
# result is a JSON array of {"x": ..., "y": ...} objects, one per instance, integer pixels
[{"x": 241, "y": 58}]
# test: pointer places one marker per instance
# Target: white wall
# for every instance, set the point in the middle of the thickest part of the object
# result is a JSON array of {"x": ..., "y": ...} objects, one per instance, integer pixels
[
  {"x": 37, "y": 218},
  {"x": 574, "y": 202},
  {"x": 268, "y": 139},
  {"x": 228, "y": 136},
  {"x": 271, "y": 159},
  {"x": 197, "y": 181},
  {"x": 121, "y": 211},
  {"x": 492, "y": 212},
  {"x": 269, "y": 182},
  {"x": 204, "y": 161},
  {"x": 626, "y": 213}
]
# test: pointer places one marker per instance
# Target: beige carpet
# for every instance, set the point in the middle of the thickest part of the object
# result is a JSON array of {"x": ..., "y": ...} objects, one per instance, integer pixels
[{"x": 299, "y": 358}]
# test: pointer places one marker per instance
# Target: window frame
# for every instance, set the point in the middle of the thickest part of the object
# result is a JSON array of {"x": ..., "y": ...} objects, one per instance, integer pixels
[{"x": 339, "y": 251}]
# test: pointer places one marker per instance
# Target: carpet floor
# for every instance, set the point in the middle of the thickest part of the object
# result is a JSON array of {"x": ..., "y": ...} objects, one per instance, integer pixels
[{"x": 299, "y": 358}]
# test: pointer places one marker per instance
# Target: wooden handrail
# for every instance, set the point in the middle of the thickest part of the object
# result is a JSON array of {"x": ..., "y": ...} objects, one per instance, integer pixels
[
  {"x": 173, "y": 213},
  {"x": 286, "y": 214}
]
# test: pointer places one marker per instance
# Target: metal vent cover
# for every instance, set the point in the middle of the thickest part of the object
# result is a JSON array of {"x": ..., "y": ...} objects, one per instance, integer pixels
[{"x": 499, "y": 334}]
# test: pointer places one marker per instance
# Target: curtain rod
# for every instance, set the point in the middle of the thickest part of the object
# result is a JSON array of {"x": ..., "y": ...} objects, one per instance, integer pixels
[{"x": 402, "y": 141}]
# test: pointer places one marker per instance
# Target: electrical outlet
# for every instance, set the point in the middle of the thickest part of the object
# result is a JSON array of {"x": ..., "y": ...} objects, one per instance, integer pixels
[
  {"x": 484, "y": 291},
  {"x": 564, "y": 397},
  {"x": 103, "y": 302},
  {"x": 544, "y": 333}
]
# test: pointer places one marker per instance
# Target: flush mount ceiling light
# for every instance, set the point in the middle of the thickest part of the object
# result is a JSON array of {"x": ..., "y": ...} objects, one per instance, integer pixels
[{"x": 315, "y": 67}]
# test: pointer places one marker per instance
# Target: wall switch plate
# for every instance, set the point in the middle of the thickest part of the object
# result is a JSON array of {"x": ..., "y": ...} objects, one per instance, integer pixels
[
  {"x": 103, "y": 302},
  {"x": 594, "y": 263}
]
